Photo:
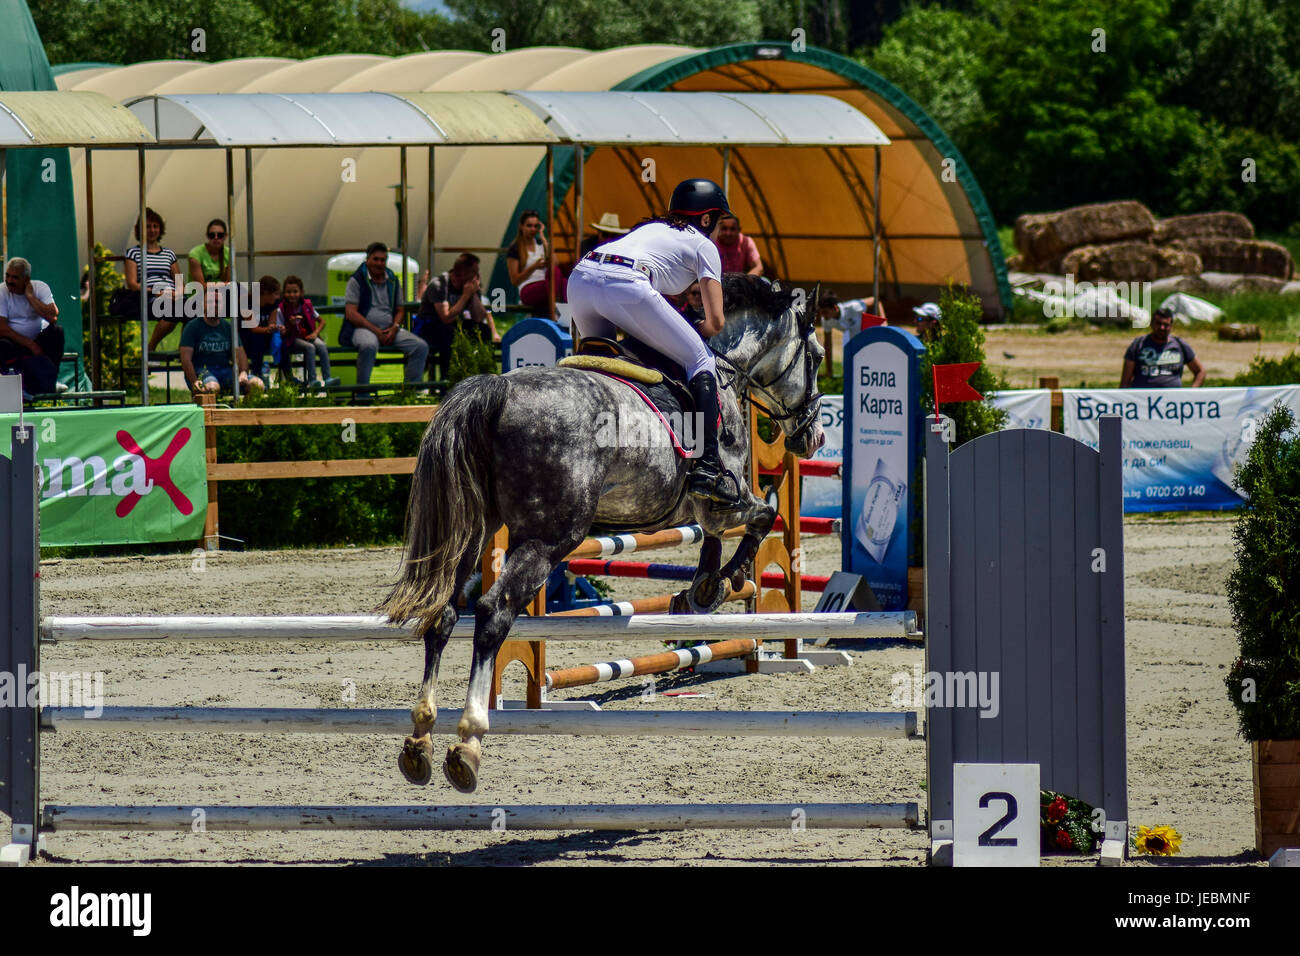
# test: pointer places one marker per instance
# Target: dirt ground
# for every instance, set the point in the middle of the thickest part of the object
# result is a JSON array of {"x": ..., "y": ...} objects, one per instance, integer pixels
[{"x": 1187, "y": 767}]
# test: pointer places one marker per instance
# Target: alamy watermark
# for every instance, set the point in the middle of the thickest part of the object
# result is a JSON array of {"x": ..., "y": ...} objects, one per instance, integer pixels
[
  {"x": 640, "y": 430},
  {"x": 192, "y": 300},
  {"x": 942, "y": 689},
  {"x": 70, "y": 689},
  {"x": 1094, "y": 300}
]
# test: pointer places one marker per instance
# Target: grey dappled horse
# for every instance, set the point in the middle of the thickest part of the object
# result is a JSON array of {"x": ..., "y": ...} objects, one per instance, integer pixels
[{"x": 531, "y": 450}]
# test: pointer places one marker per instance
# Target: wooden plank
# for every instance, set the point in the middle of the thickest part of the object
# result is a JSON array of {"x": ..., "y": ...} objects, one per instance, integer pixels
[
  {"x": 373, "y": 414},
  {"x": 338, "y": 468},
  {"x": 1014, "y": 637},
  {"x": 1038, "y": 587}
]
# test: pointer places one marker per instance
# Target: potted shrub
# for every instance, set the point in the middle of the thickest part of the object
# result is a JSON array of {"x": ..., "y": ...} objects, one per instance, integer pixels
[{"x": 1264, "y": 594}]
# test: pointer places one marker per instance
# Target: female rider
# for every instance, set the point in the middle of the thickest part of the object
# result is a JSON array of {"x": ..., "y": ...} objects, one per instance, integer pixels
[{"x": 623, "y": 283}]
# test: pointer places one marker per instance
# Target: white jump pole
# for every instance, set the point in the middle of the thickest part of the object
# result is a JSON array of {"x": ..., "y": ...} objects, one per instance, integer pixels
[
  {"x": 527, "y": 723},
  {"x": 735, "y": 816},
  {"x": 646, "y": 627}
]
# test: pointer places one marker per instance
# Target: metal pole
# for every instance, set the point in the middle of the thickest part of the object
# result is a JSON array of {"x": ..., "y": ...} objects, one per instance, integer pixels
[
  {"x": 401, "y": 224},
  {"x": 428, "y": 262},
  {"x": 252, "y": 252},
  {"x": 577, "y": 204},
  {"x": 875, "y": 241},
  {"x": 4, "y": 210},
  {"x": 144, "y": 300},
  {"x": 92, "y": 305},
  {"x": 550, "y": 224},
  {"x": 726, "y": 169},
  {"x": 236, "y": 319}
]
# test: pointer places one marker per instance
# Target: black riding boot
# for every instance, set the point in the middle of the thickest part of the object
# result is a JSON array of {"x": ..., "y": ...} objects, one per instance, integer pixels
[{"x": 708, "y": 478}]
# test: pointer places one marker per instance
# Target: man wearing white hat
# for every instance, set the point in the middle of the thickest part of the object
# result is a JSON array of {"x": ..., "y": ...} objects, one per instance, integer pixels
[
  {"x": 927, "y": 319},
  {"x": 606, "y": 229}
]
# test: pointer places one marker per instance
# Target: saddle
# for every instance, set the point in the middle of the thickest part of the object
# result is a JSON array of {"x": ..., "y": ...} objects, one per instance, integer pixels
[{"x": 657, "y": 377}]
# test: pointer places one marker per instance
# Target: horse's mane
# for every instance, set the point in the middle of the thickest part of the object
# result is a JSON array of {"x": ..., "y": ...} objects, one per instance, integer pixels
[{"x": 742, "y": 291}]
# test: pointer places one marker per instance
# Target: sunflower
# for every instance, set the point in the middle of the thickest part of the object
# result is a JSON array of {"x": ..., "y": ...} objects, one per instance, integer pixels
[{"x": 1158, "y": 841}]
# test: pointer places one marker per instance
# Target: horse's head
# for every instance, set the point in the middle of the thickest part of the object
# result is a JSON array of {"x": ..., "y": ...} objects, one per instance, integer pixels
[{"x": 770, "y": 336}]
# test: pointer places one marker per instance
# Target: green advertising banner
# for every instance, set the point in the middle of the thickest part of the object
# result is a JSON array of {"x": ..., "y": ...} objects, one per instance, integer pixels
[{"x": 119, "y": 476}]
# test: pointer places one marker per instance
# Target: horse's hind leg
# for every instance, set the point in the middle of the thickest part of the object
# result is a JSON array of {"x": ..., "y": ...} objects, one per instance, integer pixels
[
  {"x": 526, "y": 569},
  {"x": 416, "y": 758}
]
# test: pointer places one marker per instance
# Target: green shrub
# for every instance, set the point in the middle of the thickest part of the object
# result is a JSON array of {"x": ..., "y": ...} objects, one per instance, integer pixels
[
  {"x": 960, "y": 338},
  {"x": 1267, "y": 371},
  {"x": 315, "y": 511},
  {"x": 470, "y": 356},
  {"x": 1264, "y": 683}
]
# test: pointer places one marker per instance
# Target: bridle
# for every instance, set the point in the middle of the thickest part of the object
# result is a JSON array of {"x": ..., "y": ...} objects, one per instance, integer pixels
[{"x": 807, "y": 409}]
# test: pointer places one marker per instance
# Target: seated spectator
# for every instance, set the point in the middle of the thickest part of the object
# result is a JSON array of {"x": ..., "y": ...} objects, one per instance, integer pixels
[
  {"x": 847, "y": 313},
  {"x": 738, "y": 252},
  {"x": 526, "y": 264},
  {"x": 373, "y": 310},
  {"x": 1157, "y": 359},
  {"x": 25, "y": 348},
  {"x": 262, "y": 342},
  {"x": 606, "y": 229},
  {"x": 205, "y": 356},
  {"x": 449, "y": 297},
  {"x": 210, "y": 260},
  {"x": 303, "y": 330},
  {"x": 159, "y": 271}
]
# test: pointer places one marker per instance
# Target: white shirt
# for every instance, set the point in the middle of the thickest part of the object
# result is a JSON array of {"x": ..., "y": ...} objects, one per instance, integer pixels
[
  {"x": 675, "y": 257},
  {"x": 22, "y": 318},
  {"x": 851, "y": 315}
]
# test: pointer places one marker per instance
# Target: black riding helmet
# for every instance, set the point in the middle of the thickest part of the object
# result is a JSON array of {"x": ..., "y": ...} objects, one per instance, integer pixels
[{"x": 694, "y": 197}]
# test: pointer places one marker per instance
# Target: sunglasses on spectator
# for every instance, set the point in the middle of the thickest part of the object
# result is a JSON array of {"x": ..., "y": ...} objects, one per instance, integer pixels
[{"x": 216, "y": 235}]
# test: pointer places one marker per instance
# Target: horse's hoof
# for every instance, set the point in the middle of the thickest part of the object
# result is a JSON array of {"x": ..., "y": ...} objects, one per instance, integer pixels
[
  {"x": 737, "y": 580},
  {"x": 461, "y": 767},
  {"x": 416, "y": 760},
  {"x": 702, "y": 600},
  {"x": 680, "y": 603}
]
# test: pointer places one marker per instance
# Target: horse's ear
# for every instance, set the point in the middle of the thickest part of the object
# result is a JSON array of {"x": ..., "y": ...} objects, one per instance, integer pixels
[{"x": 810, "y": 305}]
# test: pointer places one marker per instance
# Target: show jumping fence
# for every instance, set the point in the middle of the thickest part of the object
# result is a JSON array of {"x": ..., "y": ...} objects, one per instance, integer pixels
[{"x": 1074, "y": 727}]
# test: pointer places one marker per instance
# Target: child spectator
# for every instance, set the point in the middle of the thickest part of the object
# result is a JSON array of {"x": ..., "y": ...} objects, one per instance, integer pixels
[
  {"x": 263, "y": 339},
  {"x": 302, "y": 329}
]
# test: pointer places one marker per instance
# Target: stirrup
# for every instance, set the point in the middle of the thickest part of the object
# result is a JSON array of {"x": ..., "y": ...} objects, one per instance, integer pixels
[{"x": 710, "y": 483}]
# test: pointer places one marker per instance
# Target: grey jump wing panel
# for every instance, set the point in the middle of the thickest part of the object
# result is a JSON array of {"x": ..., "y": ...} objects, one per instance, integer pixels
[{"x": 1025, "y": 592}]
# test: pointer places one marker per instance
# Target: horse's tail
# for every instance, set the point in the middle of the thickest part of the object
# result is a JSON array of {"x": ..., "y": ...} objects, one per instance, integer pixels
[{"x": 451, "y": 492}]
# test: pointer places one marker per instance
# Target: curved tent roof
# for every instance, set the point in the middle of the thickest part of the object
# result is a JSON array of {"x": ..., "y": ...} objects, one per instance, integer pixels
[{"x": 809, "y": 210}]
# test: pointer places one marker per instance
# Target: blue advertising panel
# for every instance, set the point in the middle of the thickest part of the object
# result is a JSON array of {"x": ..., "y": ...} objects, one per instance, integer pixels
[
  {"x": 534, "y": 342},
  {"x": 882, "y": 438}
]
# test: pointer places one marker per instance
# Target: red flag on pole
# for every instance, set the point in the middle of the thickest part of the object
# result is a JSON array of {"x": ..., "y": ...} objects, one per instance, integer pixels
[
  {"x": 951, "y": 384},
  {"x": 871, "y": 321}
]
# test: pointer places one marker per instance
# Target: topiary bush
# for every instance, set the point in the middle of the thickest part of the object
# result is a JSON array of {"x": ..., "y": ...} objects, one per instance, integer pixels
[
  {"x": 316, "y": 511},
  {"x": 1264, "y": 683}
]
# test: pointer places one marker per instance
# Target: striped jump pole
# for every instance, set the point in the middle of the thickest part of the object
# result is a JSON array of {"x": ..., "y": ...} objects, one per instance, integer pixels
[
  {"x": 651, "y": 605},
  {"x": 809, "y": 468},
  {"x": 650, "y": 664}
]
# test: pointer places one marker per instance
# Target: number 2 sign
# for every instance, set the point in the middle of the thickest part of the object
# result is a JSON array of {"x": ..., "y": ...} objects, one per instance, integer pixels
[{"x": 995, "y": 814}]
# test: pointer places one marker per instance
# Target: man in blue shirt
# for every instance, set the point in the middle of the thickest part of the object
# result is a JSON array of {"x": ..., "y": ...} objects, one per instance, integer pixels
[{"x": 1157, "y": 360}]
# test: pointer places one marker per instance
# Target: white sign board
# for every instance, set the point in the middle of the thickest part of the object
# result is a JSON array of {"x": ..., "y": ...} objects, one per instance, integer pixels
[{"x": 995, "y": 814}]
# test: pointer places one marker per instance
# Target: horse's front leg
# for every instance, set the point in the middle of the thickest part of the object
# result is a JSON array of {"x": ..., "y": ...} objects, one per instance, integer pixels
[{"x": 758, "y": 518}]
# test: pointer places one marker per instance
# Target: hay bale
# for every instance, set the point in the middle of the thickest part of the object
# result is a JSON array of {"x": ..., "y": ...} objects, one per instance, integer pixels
[
  {"x": 1232, "y": 225},
  {"x": 1043, "y": 238},
  {"x": 1128, "y": 262},
  {"x": 1239, "y": 256},
  {"x": 1015, "y": 263},
  {"x": 1237, "y": 332}
]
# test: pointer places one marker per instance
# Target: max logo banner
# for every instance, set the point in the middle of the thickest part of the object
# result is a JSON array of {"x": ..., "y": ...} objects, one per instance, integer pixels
[{"x": 136, "y": 474}]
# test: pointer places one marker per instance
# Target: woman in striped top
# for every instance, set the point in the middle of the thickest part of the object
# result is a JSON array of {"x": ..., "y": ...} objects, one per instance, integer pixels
[{"x": 160, "y": 271}]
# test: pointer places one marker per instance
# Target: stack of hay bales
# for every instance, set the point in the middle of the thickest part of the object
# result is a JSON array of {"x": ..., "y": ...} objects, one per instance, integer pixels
[{"x": 1123, "y": 242}]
